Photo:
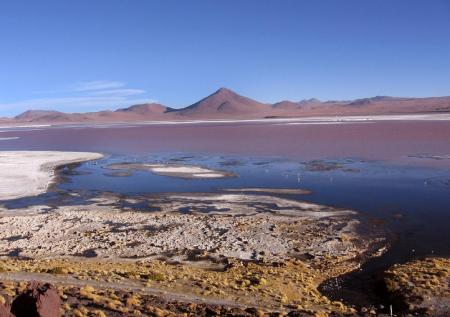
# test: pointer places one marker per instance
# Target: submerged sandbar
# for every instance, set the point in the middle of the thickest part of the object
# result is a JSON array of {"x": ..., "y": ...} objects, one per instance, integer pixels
[
  {"x": 277, "y": 191},
  {"x": 174, "y": 170}
]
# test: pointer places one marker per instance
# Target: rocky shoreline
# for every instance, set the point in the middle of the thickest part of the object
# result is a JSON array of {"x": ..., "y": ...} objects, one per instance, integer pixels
[
  {"x": 224, "y": 248},
  {"x": 236, "y": 252}
]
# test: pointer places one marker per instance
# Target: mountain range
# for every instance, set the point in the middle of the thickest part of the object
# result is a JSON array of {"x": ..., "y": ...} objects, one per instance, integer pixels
[{"x": 226, "y": 104}]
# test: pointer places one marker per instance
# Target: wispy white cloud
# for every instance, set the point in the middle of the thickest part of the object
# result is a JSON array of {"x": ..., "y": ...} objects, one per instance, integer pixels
[
  {"x": 119, "y": 92},
  {"x": 81, "y": 97},
  {"x": 96, "y": 85},
  {"x": 82, "y": 102}
]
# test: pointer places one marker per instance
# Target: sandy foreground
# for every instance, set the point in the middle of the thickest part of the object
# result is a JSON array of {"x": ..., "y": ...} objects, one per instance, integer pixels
[{"x": 29, "y": 173}]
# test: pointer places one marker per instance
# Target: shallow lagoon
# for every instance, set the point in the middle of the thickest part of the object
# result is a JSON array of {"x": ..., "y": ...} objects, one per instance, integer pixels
[
  {"x": 409, "y": 201},
  {"x": 407, "y": 196}
]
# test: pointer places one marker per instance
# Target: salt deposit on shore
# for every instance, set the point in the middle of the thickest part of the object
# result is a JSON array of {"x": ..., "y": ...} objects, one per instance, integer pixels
[
  {"x": 241, "y": 230},
  {"x": 29, "y": 173}
]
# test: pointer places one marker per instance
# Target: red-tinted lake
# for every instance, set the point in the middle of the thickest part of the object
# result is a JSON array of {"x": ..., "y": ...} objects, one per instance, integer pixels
[{"x": 397, "y": 172}]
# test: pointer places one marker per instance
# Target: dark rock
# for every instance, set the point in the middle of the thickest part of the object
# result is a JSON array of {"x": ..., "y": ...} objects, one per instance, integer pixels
[{"x": 39, "y": 300}]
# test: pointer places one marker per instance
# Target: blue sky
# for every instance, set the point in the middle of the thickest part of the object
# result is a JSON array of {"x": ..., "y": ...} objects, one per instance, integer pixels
[{"x": 87, "y": 55}]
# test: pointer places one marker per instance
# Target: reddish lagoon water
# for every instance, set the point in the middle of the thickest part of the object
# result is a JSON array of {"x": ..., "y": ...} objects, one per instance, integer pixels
[
  {"x": 384, "y": 140},
  {"x": 392, "y": 172}
]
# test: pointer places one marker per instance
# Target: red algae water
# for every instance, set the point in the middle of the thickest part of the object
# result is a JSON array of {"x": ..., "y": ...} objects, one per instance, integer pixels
[
  {"x": 382, "y": 168},
  {"x": 395, "y": 173},
  {"x": 395, "y": 141}
]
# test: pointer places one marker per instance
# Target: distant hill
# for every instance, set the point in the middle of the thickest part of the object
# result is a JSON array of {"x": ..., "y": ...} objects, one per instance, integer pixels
[
  {"x": 141, "y": 112},
  {"x": 287, "y": 105},
  {"x": 145, "y": 109},
  {"x": 224, "y": 103},
  {"x": 31, "y": 115},
  {"x": 227, "y": 104}
]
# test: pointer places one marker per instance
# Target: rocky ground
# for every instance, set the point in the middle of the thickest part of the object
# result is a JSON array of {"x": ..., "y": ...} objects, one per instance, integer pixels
[{"x": 236, "y": 254}]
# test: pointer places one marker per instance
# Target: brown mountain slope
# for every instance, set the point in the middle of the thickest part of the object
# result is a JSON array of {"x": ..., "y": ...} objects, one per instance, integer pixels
[
  {"x": 226, "y": 104},
  {"x": 145, "y": 109},
  {"x": 31, "y": 115},
  {"x": 302, "y": 105},
  {"x": 134, "y": 113},
  {"x": 382, "y": 105}
]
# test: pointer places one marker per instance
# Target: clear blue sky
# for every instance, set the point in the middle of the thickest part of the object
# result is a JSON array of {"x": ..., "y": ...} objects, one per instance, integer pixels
[{"x": 87, "y": 55}]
